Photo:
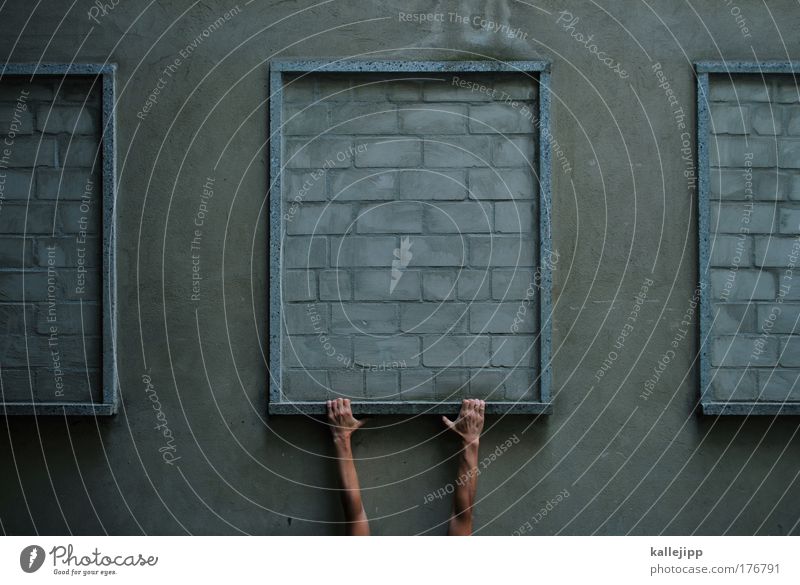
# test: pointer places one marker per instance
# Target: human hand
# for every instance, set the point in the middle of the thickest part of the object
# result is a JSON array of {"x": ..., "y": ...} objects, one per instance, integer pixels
[
  {"x": 341, "y": 419},
  {"x": 469, "y": 423}
]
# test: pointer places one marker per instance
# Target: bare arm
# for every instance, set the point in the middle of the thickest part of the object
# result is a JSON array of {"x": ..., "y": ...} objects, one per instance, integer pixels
[
  {"x": 343, "y": 425},
  {"x": 468, "y": 426}
]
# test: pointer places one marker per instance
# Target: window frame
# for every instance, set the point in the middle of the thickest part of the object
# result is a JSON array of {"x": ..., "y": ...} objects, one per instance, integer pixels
[
  {"x": 702, "y": 70},
  {"x": 277, "y": 69},
  {"x": 109, "y": 376}
]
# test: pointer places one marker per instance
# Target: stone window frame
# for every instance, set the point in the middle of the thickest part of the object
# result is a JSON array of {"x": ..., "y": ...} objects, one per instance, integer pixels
[
  {"x": 106, "y": 73},
  {"x": 702, "y": 71},
  {"x": 276, "y": 70}
]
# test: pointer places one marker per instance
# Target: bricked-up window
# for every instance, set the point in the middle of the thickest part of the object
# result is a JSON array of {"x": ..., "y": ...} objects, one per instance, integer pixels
[
  {"x": 749, "y": 151},
  {"x": 410, "y": 240},
  {"x": 56, "y": 204}
]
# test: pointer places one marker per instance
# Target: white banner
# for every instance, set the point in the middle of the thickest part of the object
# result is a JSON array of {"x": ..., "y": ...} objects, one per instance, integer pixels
[{"x": 332, "y": 560}]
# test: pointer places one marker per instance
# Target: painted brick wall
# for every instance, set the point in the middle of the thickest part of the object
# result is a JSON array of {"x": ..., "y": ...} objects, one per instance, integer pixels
[
  {"x": 410, "y": 214},
  {"x": 50, "y": 248},
  {"x": 755, "y": 238}
]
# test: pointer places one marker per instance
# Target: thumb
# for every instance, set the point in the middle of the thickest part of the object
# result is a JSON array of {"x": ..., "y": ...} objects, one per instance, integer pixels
[
  {"x": 361, "y": 422},
  {"x": 447, "y": 422}
]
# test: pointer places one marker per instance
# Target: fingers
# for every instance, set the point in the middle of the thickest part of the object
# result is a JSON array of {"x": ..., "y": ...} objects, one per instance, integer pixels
[
  {"x": 336, "y": 408},
  {"x": 339, "y": 407},
  {"x": 347, "y": 411},
  {"x": 472, "y": 407}
]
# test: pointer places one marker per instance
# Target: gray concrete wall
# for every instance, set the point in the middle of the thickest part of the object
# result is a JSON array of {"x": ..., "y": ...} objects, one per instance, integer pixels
[{"x": 191, "y": 450}]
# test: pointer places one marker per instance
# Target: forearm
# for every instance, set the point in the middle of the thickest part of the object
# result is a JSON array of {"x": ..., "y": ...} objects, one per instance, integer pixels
[
  {"x": 466, "y": 484},
  {"x": 351, "y": 492}
]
